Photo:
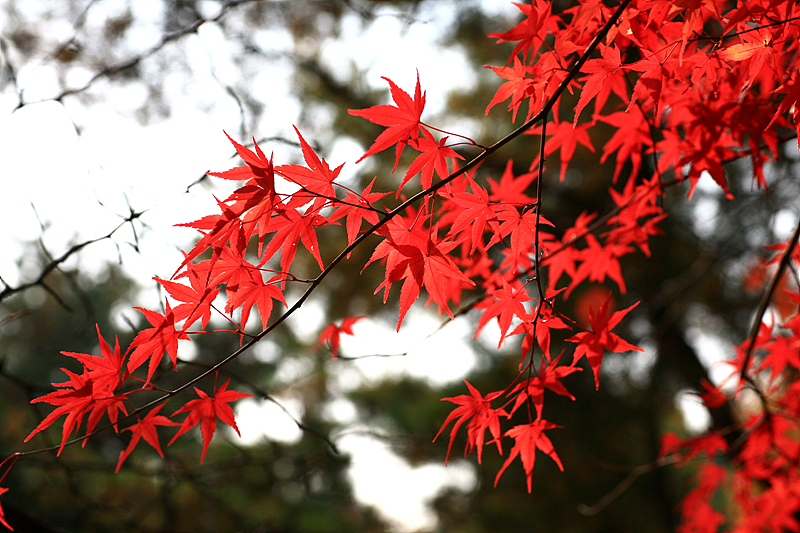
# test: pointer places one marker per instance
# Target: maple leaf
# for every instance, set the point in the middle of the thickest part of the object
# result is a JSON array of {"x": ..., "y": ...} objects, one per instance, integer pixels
[
  {"x": 698, "y": 514},
  {"x": 652, "y": 81},
  {"x": 254, "y": 291},
  {"x": 257, "y": 198},
  {"x": 508, "y": 302},
  {"x": 628, "y": 228},
  {"x": 566, "y": 138},
  {"x": 197, "y": 299},
  {"x": 522, "y": 228},
  {"x": 232, "y": 269},
  {"x": 75, "y": 399},
  {"x": 206, "y": 410},
  {"x": 781, "y": 351},
  {"x": 400, "y": 231},
  {"x": 790, "y": 102},
  {"x": 757, "y": 47},
  {"x": 104, "y": 370},
  {"x": 425, "y": 264},
  {"x": 528, "y": 437},
  {"x": 631, "y": 138},
  {"x": 110, "y": 405},
  {"x": 593, "y": 343},
  {"x": 598, "y": 262},
  {"x": 511, "y": 189},
  {"x": 713, "y": 397},
  {"x": 478, "y": 411},
  {"x": 563, "y": 258},
  {"x": 218, "y": 231},
  {"x": 292, "y": 227},
  {"x": 153, "y": 342},
  {"x": 599, "y": 84},
  {"x": 518, "y": 87},
  {"x": 403, "y": 119},
  {"x": 258, "y": 205},
  {"x": 548, "y": 378},
  {"x": 146, "y": 428},
  {"x": 433, "y": 156},
  {"x": 316, "y": 179},
  {"x": 332, "y": 334},
  {"x": 357, "y": 208},
  {"x": 710, "y": 445},
  {"x": 538, "y": 23},
  {"x": 257, "y": 164},
  {"x": 474, "y": 212},
  {"x": 545, "y": 321},
  {"x": 2, "y": 514}
]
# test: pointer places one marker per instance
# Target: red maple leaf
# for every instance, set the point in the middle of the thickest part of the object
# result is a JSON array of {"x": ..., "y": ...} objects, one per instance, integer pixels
[
  {"x": 782, "y": 351},
  {"x": 403, "y": 119},
  {"x": 565, "y": 138},
  {"x": 256, "y": 198},
  {"x": 151, "y": 343},
  {"x": 538, "y": 23},
  {"x": 478, "y": 411},
  {"x": 698, "y": 514},
  {"x": 357, "y": 208},
  {"x": 255, "y": 291},
  {"x": 522, "y": 228},
  {"x": 598, "y": 262},
  {"x": 598, "y": 84},
  {"x": 218, "y": 231},
  {"x": 511, "y": 189},
  {"x": 518, "y": 87},
  {"x": 197, "y": 298},
  {"x": 711, "y": 445},
  {"x": 2, "y": 514},
  {"x": 755, "y": 46},
  {"x": 206, "y": 410},
  {"x": 292, "y": 227},
  {"x": 332, "y": 334},
  {"x": 790, "y": 102},
  {"x": 548, "y": 378},
  {"x": 76, "y": 398},
  {"x": 713, "y": 397},
  {"x": 104, "y": 370},
  {"x": 593, "y": 343},
  {"x": 146, "y": 428},
  {"x": 474, "y": 212},
  {"x": 316, "y": 179},
  {"x": 400, "y": 230},
  {"x": 433, "y": 156},
  {"x": 528, "y": 437},
  {"x": 545, "y": 320},
  {"x": 232, "y": 269},
  {"x": 655, "y": 71},
  {"x": 257, "y": 165},
  {"x": 631, "y": 138},
  {"x": 425, "y": 264},
  {"x": 508, "y": 302}
]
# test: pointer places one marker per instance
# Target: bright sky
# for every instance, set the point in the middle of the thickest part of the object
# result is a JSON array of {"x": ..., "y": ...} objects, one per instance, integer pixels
[{"x": 79, "y": 186}]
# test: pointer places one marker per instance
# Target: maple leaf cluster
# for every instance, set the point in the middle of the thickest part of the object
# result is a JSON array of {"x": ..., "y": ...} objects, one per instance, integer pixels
[
  {"x": 764, "y": 483},
  {"x": 691, "y": 84},
  {"x": 98, "y": 391}
]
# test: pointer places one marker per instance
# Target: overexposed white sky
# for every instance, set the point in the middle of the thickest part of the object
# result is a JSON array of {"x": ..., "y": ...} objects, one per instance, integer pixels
[{"x": 75, "y": 168}]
